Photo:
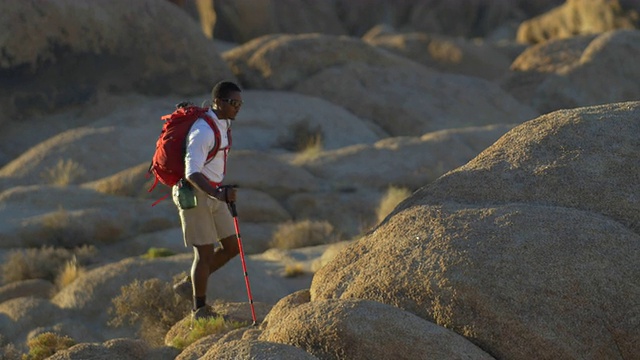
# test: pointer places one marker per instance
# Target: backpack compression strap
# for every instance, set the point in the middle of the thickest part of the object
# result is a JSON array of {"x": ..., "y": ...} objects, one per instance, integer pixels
[{"x": 218, "y": 140}]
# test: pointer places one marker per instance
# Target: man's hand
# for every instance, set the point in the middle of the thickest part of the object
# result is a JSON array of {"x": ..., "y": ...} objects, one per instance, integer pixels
[{"x": 226, "y": 193}]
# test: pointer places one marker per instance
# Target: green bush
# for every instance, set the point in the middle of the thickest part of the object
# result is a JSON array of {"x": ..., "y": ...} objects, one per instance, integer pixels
[
  {"x": 151, "y": 305},
  {"x": 205, "y": 327},
  {"x": 47, "y": 344}
]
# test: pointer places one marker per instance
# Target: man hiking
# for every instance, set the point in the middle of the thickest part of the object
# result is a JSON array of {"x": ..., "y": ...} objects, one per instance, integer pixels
[{"x": 210, "y": 221}]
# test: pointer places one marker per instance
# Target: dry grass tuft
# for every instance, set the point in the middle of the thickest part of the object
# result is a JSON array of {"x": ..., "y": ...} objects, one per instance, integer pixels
[
  {"x": 393, "y": 197},
  {"x": 71, "y": 271},
  {"x": 292, "y": 235},
  {"x": 312, "y": 149},
  {"x": 156, "y": 253},
  {"x": 293, "y": 270},
  {"x": 132, "y": 182},
  {"x": 8, "y": 351},
  {"x": 300, "y": 135},
  {"x": 303, "y": 139},
  {"x": 65, "y": 172},
  {"x": 151, "y": 305}
]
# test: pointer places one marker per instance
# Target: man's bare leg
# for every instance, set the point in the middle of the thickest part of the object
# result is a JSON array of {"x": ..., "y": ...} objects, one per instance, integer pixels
[
  {"x": 206, "y": 260},
  {"x": 223, "y": 254},
  {"x": 202, "y": 258}
]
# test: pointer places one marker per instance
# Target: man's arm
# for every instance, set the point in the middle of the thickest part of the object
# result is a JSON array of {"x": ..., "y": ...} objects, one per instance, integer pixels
[{"x": 225, "y": 194}]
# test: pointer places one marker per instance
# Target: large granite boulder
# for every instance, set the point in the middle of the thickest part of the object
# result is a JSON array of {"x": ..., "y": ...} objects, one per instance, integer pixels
[
  {"x": 578, "y": 17},
  {"x": 360, "y": 329},
  {"x": 582, "y": 158},
  {"x": 19, "y": 316},
  {"x": 278, "y": 120},
  {"x": 38, "y": 288},
  {"x": 255, "y": 350},
  {"x": 121, "y": 348},
  {"x": 62, "y": 53},
  {"x": 444, "y": 53},
  {"x": 529, "y": 250},
  {"x": 280, "y": 61},
  {"x": 37, "y": 215},
  {"x": 401, "y": 96},
  {"x": 580, "y": 71},
  {"x": 243, "y": 20},
  {"x": 424, "y": 158}
]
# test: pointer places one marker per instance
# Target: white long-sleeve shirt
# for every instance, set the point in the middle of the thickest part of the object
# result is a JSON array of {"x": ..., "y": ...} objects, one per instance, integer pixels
[{"x": 200, "y": 140}]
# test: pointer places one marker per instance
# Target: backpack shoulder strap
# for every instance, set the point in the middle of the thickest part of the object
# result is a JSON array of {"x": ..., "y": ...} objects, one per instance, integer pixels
[{"x": 216, "y": 133}]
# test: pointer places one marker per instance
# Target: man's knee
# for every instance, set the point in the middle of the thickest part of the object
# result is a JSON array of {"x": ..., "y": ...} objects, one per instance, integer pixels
[
  {"x": 203, "y": 253},
  {"x": 230, "y": 245}
]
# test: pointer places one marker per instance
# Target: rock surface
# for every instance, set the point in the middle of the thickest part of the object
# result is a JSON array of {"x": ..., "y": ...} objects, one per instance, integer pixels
[
  {"x": 578, "y": 17},
  {"x": 532, "y": 253},
  {"x": 98, "y": 52},
  {"x": 360, "y": 329},
  {"x": 569, "y": 73}
]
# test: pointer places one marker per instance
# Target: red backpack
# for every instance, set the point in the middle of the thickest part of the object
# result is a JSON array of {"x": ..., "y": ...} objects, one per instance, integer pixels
[{"x": 167, "y": 164}]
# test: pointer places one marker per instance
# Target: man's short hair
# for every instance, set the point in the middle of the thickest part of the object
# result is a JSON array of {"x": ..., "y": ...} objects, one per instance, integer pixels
[{"x": 223, "y": 90}]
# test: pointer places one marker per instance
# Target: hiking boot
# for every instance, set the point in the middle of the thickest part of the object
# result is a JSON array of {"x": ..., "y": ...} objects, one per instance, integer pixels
[
  {"x": 184, "y": 288},
  {"x": 203, "y": 312}
]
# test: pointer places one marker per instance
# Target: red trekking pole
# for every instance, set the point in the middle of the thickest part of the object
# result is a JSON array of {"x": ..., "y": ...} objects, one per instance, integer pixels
[{"x": 234, "y": 213}]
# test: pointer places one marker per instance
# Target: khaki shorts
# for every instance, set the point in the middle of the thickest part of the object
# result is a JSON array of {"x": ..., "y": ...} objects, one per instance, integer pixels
[{"x": 207, "y": 223}]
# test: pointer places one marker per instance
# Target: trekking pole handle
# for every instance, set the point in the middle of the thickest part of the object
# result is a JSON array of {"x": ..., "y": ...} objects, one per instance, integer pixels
[
  {"x": 232, "y": 205},
  {"x": 234, "y": 212}
]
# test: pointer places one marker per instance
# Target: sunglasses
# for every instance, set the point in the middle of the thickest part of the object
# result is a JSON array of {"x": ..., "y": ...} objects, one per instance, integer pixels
[{"x": 233, "y": 102}]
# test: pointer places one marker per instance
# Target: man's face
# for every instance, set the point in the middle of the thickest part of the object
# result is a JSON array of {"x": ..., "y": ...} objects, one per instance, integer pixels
[{"x": 228, "y": 107}]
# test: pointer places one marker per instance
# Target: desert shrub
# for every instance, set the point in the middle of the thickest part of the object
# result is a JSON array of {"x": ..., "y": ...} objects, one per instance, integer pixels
[
  {"x": 64, "y": 172},
  {"x": 42, "y": 263},
  {"x": 291, "y": 235},
  {"x": 205, "y": 327},
  {"x": 8, "y": 351},
  {"x": 155, "y": 253},
  {"x": 390, "y": 200},
  {"x": 56, "y": 228},
  {"x": 47, "y": 344},
  {"x": 68, "y": 229},
  {"x": 151, "y": 305}
]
